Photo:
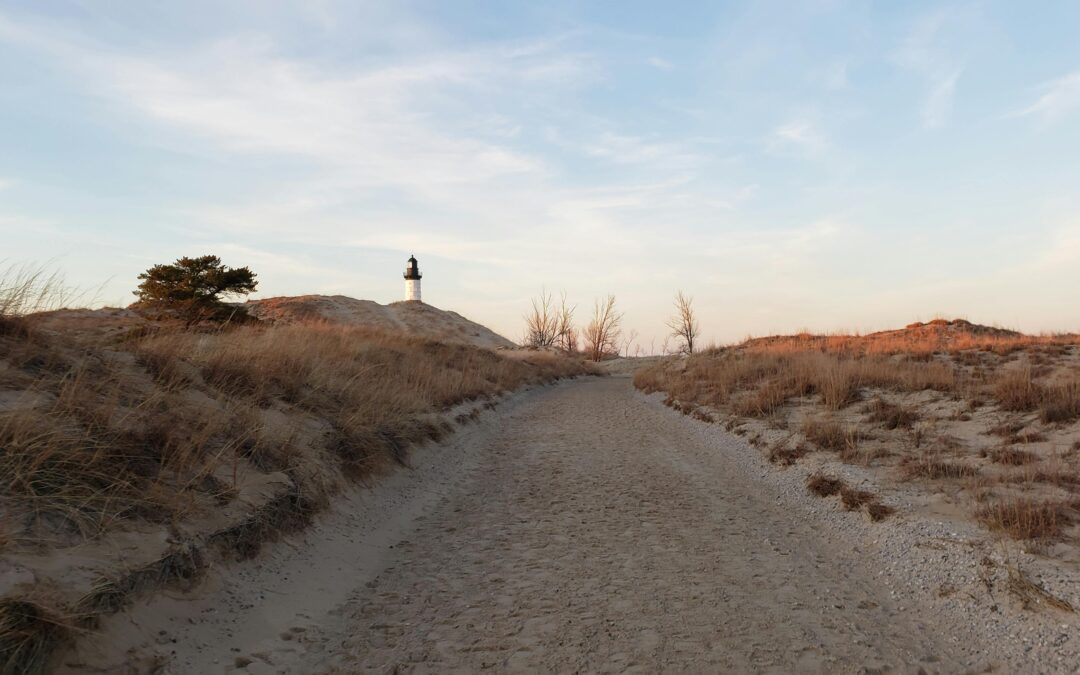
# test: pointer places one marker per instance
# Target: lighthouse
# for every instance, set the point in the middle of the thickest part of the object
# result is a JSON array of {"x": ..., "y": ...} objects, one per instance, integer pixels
[{"x": 412, "y": 280}]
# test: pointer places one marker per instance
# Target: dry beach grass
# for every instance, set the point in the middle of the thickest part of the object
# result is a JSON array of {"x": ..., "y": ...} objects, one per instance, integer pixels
[
  {"x": 986, "y": 417},
  {"x": 196, "y": 442}
]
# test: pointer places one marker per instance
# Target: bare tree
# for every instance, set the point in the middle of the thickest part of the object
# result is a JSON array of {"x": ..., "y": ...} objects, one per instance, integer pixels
[
  {"x": 566, "y": 333},
  {"x": 542, "y": 322},
  {"x": 548, "y": 325},
  {"x": 684, "y": 326},
  {"x": 630, "y": 343},
  {"x": 601, "y": 336}
]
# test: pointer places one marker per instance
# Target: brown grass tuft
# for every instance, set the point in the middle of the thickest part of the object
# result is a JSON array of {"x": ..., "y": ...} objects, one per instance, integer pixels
[
  {"x": 1012, "y": 456},
  {"x": 890, "y": 415},
  {"x": 1061, "y": 403},
  {"x": 1023, "y": 518},
  {"x": 28, "y": 635},
  {"x": 851, "y": 498},
  {"x": 878, "y": 511},
  {"x": 831, "y": 435},
  {"x": 1032, "y": 594},
  {"x": 179, "y": 567},
  {"x": 763, "y": 401},
  {"x": 787, "y": 456},
  {"x": 823, "y": 486},
  {"x": 1017, "y": 390},
  {"x": 929, "y": 466}
]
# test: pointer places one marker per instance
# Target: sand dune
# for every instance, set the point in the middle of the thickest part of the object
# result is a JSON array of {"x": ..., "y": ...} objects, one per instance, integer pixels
[{"x": 415, "y": 318}]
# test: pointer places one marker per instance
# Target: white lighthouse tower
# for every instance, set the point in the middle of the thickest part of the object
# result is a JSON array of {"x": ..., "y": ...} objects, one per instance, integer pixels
[{"x": 412, "y": 280}]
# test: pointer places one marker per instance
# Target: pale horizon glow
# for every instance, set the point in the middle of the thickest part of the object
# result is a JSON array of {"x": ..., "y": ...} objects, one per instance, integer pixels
[{"x": 827, "y": 165}]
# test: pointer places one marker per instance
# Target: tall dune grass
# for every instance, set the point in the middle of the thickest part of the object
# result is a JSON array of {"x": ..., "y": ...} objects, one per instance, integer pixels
[
  {"x": 146, "y": 429},
  {"x": 916, "y": 340},
  {"x": 166, "y": 423},
  {"x": 758, "y": 383},
  {"x": 28, "y": 288},
  {"x": 760, "y": 377},
  {"x": 808, "y": 380}
]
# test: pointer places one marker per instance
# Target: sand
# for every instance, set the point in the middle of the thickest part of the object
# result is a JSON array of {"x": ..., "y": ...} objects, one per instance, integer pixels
[
  {"x": 415, "y": 318},
  {"x": 580, "y": 527}
]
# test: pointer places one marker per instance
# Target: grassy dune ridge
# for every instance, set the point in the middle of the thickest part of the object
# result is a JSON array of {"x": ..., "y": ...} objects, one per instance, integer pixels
[
  {"x": 224, "y": 438},
  {"x": 989, "y": 417}
]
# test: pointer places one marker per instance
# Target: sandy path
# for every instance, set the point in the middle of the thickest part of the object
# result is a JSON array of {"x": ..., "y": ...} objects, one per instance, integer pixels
[
  {"x": 597, "y": 535},
  {"x": 579, "y": 527}
]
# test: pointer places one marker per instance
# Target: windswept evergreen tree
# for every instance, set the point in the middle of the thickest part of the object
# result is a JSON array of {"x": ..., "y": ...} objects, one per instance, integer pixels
[{"x": 193, "y": 288}]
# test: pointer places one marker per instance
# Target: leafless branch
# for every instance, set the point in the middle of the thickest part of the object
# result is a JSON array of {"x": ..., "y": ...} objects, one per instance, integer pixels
[
  {"x": 684, "y": 325},
  {"x": 601, "y": 335}
]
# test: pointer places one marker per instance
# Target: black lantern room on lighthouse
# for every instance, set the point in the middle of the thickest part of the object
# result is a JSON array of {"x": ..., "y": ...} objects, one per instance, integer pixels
[{"x": 412, "y": 280}]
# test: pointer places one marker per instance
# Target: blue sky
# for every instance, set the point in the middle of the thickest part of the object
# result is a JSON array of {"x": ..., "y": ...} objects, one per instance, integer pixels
[{"x": 824, "y": 165}]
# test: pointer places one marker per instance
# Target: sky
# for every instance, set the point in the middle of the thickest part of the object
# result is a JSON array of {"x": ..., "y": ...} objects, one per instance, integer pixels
[{"x": 821, "y": 165}]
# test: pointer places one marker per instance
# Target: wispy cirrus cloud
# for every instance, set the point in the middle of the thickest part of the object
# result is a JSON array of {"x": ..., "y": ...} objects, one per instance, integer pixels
[
  {"x": 406, "y": 124},
  {"x": 833, "y": 76},
  {"x": 927, "y": 51},
  {"x": 627, "y": 149},
  {"x": 1062, "y": 250},
  {"x": 1059, "y": 97},
  {"x": 319, "y": 142},
  {"x": 802, "y": 135}
]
